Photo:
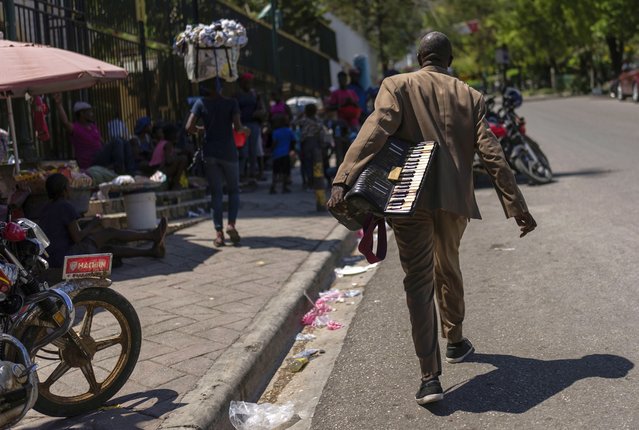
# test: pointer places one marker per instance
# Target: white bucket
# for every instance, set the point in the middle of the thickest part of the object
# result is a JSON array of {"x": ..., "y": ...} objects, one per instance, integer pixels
[{"x": 140, "y": 211}]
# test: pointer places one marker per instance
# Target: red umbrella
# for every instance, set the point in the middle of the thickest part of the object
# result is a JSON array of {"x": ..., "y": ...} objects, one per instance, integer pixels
[{"x": 41, "y": 69}]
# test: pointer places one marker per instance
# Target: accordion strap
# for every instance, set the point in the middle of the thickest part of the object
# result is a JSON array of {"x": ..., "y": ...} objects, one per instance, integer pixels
[{"x": 366, "y": 244}]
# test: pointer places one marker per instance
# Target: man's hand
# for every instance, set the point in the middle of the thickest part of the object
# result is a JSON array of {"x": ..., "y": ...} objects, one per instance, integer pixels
[
  {"x": 526, "y": 223},
  {"x": 336, "y": 202}
]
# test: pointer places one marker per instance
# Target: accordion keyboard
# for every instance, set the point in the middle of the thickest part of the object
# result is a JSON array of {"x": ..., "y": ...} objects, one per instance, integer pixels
[{"x": 405, "y": 190}]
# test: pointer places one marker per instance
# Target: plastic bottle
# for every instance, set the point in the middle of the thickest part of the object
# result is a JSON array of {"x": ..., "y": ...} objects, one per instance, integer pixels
[{"x": 298, "y": 364}]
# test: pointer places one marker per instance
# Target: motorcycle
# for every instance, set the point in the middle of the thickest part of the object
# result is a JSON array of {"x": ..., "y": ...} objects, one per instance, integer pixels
[
  {"x": 65, "y": 349},
  {"x": 523, "y": 154}
]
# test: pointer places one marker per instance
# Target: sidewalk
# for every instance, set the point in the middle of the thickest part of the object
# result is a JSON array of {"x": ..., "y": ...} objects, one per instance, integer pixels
[{"x": 215, "y": 321}]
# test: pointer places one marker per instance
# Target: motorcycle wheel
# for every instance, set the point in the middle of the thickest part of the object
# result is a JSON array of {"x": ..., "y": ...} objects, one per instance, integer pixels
[
  {"x": 537, "y": 171},
  {"x": 72, "y": 383}
]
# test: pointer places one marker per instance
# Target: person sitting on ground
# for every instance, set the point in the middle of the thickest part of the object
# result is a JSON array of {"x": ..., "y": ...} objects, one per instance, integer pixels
[
  {"x": 156, "y": 133},
  {"x": 283, "y": 150},
  {"x": 87, "y": 143},
  {"x": 67, "y": 238},
  {"x": 142, "y": 145},
  {"x": 116, "y": 127},
  {"x": 166, "y": 159}
]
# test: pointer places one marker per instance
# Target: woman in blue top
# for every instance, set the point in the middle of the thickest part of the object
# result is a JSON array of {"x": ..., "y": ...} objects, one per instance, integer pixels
[{"x": 219, "y": 115}]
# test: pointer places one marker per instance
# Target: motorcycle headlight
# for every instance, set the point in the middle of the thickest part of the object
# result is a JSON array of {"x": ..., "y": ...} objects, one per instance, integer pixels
[{"x": 35, "y": 232}]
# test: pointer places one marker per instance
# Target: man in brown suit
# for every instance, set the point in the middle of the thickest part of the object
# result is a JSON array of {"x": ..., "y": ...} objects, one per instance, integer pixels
[{"x": 421, "y": 106}]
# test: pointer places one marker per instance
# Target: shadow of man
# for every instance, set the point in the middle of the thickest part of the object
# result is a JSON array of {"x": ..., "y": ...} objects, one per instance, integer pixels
[{"x": 519, "y": 384}]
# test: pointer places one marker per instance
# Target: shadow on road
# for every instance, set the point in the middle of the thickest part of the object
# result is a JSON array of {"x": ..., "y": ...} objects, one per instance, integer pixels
[
  {"x": 137, "y": 409},
  {"x": 183, "y": 254},
  {"x": 283, "y": 242},
  {"x": 519, "y": 384},
  {"x": 584, "y": 172},
  {"x": 483, "y": 181}
]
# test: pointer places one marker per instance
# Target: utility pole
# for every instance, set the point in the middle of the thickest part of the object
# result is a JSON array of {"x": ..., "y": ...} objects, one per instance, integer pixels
[{"x": 276, "y": 59}]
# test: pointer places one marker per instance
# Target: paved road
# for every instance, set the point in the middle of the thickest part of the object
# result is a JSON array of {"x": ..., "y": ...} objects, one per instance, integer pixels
[{"x": 553, "y": 316}]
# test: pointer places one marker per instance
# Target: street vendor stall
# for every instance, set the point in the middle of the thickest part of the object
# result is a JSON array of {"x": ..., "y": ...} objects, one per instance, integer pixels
[
  {"x": 24, "y": 74},
  {"x": 33, "y": 69},
  {"x": 33, "y": 180}
]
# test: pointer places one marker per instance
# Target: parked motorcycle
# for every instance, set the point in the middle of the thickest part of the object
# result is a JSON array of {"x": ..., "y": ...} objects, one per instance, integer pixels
[
  {"x": 523, "y": 154},
  {"x": 66, "y": 349}
]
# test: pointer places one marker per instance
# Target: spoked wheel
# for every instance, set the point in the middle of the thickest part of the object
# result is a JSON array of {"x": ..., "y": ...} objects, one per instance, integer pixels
[
  {"x": 536, "y": 168},
  {"x": 83, "y": 369}
]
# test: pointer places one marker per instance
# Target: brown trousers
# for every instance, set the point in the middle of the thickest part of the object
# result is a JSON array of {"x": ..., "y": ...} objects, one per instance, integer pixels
[{"x": 428, "y": 245}]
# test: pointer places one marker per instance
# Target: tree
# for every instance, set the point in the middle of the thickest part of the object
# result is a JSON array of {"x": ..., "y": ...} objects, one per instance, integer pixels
[
  {"x": 474, "y": 53},
  {"x": 300, "y": 18},
  {"x": 617, "y": 23},
  {"x": 541, "y": 35}
]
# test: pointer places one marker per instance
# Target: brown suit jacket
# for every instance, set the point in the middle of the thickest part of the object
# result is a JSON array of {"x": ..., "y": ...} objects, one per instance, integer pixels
[{"x": 431, "y": 105}]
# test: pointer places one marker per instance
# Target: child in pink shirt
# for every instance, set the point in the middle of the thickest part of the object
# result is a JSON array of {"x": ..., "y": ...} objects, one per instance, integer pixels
[{"x": 166, "y": 159}]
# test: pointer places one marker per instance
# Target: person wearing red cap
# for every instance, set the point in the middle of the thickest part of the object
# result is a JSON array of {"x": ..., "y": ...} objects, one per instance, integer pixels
[{"x": 252, "y": 114}]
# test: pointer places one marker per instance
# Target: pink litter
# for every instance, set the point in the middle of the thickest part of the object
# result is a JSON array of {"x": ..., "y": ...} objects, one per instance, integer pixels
[{"x": 334, "y": 325}]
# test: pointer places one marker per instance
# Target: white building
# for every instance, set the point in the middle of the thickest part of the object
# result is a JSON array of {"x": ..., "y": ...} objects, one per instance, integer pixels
[{"x": 350, "y": 44}]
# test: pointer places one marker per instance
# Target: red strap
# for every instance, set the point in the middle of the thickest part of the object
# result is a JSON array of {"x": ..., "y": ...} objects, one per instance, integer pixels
[{"x": 366, "y": 244}]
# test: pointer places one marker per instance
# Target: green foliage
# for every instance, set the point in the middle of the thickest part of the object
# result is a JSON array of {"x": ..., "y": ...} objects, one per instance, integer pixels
[
  {"x": 566, "y": 35},
  {"x": 391, "y": 26},
  {"x": 569, "y": 36},
  {"x": 299, "y": 17}
]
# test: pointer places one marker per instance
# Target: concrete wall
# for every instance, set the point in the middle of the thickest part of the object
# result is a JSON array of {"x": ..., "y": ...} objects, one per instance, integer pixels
[{"x": 349, "y": 44}]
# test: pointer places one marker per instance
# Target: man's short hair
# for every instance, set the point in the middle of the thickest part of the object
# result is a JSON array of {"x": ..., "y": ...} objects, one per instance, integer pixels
[
  {"x": 310, "y": 109},
  {"x": 435, "y": 47},
  {"x": 56, "y": 185}
]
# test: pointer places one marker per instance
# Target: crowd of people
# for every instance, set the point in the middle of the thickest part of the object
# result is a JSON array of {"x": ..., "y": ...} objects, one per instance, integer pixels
[
  {"x": 152, "y": 147},
  {"x": 240, "y": 137}
]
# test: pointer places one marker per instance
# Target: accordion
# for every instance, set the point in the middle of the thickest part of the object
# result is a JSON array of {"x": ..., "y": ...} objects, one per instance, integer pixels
[{"x": 390, "y": 184}]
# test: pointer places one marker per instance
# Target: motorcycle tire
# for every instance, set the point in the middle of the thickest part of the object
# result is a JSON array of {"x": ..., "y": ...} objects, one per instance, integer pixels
[
  {"x": 104, "y": 300},
  {"x": 538, "y": 172}
]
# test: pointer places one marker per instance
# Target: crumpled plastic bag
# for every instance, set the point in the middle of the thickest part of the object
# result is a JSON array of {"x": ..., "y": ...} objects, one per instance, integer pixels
[
  {"x": 123, "y": 180},
  {"x": 353, "y": 270},
  {"x": 264, "y": 416},
  {"x": 158, "y": 176}
]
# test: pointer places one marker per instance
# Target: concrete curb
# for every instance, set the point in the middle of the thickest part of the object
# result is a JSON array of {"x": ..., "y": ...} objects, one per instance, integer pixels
[{"x": 243, "y": 371}]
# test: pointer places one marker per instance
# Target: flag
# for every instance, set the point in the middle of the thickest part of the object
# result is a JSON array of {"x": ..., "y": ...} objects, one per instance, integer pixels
[{"x": 467, "y": 27}]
